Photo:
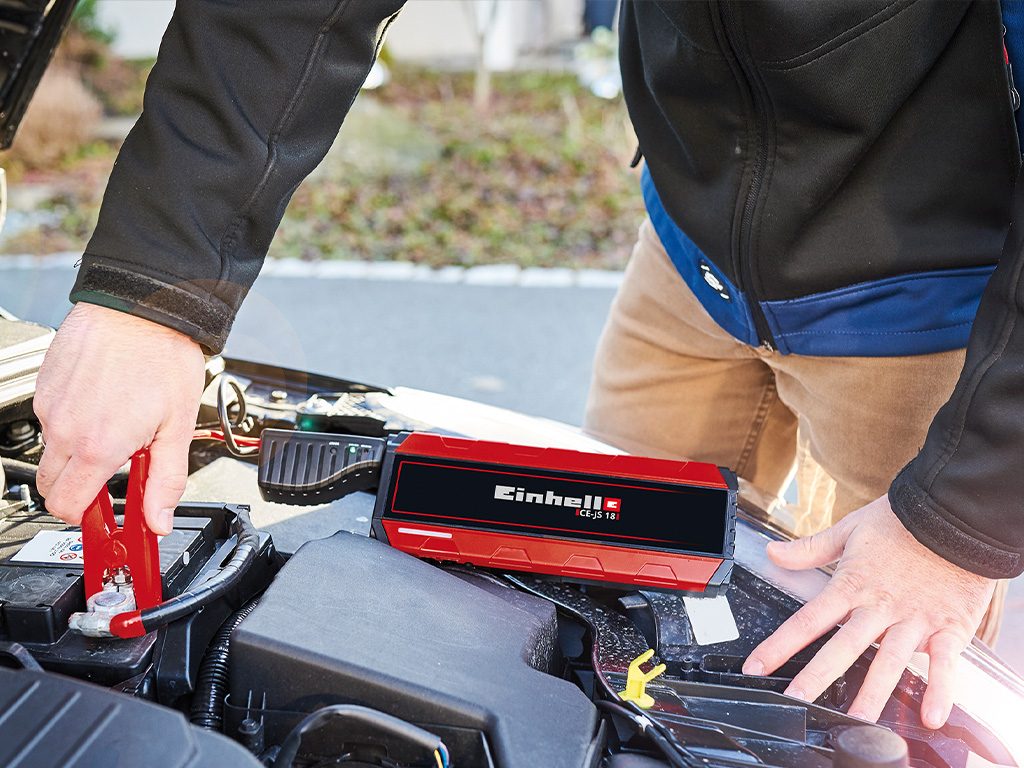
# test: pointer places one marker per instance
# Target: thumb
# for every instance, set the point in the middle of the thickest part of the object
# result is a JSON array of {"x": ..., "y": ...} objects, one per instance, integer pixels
[
  {"x": 811, "y": 551},
  {"x": 165, "y": 483}
]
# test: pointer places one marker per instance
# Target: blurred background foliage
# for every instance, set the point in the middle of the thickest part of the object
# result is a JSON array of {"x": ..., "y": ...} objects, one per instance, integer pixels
[{"x": 418, "y": 173}]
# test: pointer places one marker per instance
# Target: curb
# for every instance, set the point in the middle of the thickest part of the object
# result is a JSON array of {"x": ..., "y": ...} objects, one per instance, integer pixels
[{"x": 399, "y": 271}]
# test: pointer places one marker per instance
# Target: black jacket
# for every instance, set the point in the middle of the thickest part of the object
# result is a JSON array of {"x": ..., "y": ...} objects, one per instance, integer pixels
[{"x": 247, "y": 96}]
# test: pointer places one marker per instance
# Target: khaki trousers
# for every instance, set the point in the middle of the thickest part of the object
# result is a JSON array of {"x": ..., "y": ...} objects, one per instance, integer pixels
[{"x": 669, "y": 382}]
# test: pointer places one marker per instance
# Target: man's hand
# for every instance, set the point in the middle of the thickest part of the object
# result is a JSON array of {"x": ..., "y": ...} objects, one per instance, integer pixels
[
  {"x": 889, "y": 588},
  {"x": 110, "y": 385}
]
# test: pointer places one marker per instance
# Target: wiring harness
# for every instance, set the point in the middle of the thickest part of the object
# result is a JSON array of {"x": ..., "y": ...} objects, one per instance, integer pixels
[{"x": 365, "y": 716}]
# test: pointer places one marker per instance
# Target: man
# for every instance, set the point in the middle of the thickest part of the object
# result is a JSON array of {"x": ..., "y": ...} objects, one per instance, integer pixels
[{"x": 817, "y": 167}]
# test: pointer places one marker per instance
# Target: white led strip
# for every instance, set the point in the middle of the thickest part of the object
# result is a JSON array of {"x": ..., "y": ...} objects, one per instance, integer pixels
[{"x": 421, "y": 532}]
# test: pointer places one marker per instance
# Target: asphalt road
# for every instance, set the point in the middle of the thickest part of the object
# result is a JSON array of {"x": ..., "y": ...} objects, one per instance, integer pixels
[
  {"x": 508, "y": 344},
  {"x": 528, "y": 349}
]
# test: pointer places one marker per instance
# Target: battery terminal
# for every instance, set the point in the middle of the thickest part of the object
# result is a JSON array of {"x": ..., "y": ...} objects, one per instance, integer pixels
[{"x": 116, "y": 596}]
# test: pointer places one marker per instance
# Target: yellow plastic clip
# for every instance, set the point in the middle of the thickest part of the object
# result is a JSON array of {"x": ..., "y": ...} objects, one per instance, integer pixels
[{"x": 636, "y": 681}]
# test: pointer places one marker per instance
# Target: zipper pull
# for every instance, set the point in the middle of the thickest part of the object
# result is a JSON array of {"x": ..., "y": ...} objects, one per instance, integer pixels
[{"x": 1014, "y": 95}]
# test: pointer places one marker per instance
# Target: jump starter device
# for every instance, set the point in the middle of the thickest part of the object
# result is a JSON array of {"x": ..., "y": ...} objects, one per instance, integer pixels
[{"x": 583, "y": 517}]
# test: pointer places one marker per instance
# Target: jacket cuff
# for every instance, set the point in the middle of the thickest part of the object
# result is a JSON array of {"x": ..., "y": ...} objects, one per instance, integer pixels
[
  {"x": 180, "y": 305},
  {"x": 936, "y": 529}
]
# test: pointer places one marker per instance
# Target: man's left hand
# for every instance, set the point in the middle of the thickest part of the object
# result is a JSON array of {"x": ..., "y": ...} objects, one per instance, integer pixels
[{"x": 889, "y": 588}]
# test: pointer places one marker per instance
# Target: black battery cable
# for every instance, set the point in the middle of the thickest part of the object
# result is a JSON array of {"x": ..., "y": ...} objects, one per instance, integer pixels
[
  {"x": 246, "y": 549},
  {"x": 227, "y": 382}
]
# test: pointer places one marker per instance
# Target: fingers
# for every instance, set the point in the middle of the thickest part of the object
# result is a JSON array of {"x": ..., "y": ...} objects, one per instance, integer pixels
[
  {"x": 842, "y": 651},
  {"x": 50, "y": 466},
  {"x": 168, "y": 475},
  {"x": 886, "y": 582},
  {"x": 111, "y": 384},
  {"x": 837, "y": 655},
  {"x": 805, "y": 626},
  {"x": 70, "y": 483},
  {"x": 812, "y": 551},
  {"x": 944, "y": 650},
  {"x": 894, "y": 653}
]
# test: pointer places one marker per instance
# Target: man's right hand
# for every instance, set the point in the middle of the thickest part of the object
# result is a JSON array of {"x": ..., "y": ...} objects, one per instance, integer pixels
[{"x": 110, "y": 385}]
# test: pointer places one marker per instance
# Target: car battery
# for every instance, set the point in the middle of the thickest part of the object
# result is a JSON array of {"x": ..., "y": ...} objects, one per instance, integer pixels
[{"x": 42, "y": 584}]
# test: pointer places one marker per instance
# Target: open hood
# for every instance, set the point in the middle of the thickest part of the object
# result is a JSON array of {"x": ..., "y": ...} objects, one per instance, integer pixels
[
  {"x": 327, "y": 622},
  {"x": 29, "y": 33}
]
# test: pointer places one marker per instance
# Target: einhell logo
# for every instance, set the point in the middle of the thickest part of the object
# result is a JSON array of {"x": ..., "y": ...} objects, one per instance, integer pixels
[{"x": 611, "y": 507}]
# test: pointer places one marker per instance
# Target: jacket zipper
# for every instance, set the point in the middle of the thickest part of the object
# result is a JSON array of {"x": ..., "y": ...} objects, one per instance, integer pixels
[
  {"x": 1014, "y": 95},
  {"x": 745, "y": 257}
]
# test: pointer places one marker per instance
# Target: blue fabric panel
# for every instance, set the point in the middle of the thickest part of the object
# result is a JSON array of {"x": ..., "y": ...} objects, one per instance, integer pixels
[
  {"x": 732, "y": 314},
  {"x": 906, "y": 315},
  {"x": 1013, "y": 20},
  {"x": 912, "y": 314}
]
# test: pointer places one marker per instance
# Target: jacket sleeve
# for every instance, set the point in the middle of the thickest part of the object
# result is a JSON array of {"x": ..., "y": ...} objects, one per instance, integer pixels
[
  {"x": 963, "y": 495},
  {"x": 244, "y": 101}
]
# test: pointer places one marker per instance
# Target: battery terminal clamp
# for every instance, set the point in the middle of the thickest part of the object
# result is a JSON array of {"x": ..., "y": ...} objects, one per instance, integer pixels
[
  {"x": 122, "y": 567},
  {"x": 122, "y": 564}
]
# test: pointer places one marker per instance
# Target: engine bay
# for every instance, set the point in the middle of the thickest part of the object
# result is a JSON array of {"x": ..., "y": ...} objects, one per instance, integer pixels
[{"x": 333, "y": 648}]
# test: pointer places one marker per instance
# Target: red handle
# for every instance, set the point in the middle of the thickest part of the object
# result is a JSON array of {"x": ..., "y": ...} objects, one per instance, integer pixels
[{"x": 106, "y": 547}]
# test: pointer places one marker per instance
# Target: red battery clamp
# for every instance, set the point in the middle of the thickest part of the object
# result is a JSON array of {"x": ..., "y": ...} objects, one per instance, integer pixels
[
  {"x": 584, "y": 517},
  {"x": 121, "y": 564},
  {"x": 108, "y": 548}
]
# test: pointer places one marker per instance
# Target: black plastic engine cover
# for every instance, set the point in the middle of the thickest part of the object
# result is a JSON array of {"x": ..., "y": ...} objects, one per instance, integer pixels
[
  {"x": 52, "y": 721},
  {"x": 351, "y": 620}
]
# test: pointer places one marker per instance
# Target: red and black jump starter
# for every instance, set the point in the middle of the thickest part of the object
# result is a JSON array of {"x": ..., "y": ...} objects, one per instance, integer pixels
[{"x": 584, "y": 517}]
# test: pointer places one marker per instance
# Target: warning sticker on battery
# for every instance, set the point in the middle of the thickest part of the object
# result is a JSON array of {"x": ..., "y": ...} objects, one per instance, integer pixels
[{"x": 63, "y": 547}]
